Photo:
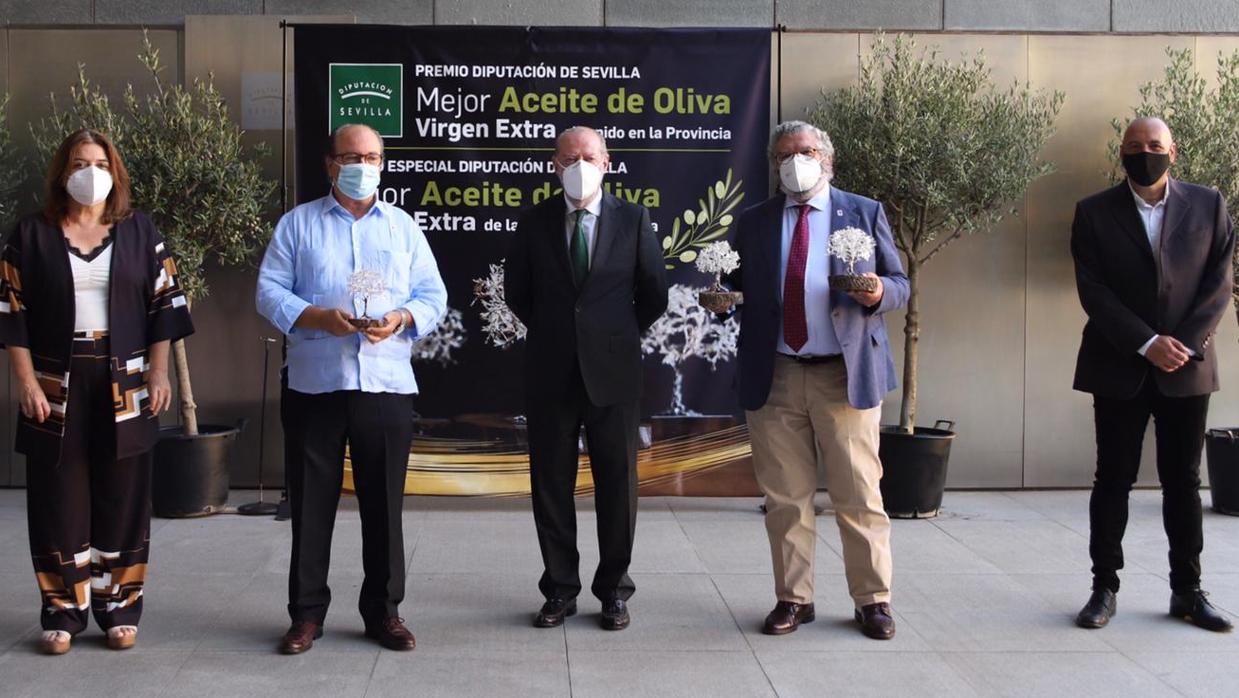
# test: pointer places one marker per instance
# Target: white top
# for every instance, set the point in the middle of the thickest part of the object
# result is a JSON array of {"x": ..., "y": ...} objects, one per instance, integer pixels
[
  {"x": 822, "y": 340},
  {"x": 1152, "y": 215},
  {"x": 90, "y": 289},
  {"x": 590, "y": 224}
]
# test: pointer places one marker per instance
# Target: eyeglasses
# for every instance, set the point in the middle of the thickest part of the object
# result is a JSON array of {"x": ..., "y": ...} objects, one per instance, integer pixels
[
  {"x": 807, "y": 152},
  {"x": 375, "y": 159},
  {"x": 566, "y": 162}
]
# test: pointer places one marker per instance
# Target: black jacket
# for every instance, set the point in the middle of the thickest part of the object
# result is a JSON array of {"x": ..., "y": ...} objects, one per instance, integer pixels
[
  {"x": 597, "y": 327},
  {"x": 1128, "y": 301},
  {"x": 145, "y": 306}
]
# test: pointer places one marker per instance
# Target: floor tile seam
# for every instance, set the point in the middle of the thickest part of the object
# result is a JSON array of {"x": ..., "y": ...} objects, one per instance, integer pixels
[
  {"x": 977, "y": 689},
  {"x": 1148, "y": 670},
  {"x": 567, "y": 657},
  {"x": 658, "y": 650},
  {"x": 370, "y": 678},
  {"x": 696, "y": 552},
  {"x": 164, "y": 690}
]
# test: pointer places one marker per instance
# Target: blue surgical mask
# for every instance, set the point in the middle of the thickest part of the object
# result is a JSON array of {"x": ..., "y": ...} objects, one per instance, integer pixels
[{"x": 359, "y": 181}]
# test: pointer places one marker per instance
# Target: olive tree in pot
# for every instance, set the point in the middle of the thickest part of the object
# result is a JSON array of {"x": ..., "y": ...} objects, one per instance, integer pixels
[
  {"x": 946, "y": 152},
  {"x": 1205, "y": 124},
  {"x": 210, "y": 201}
]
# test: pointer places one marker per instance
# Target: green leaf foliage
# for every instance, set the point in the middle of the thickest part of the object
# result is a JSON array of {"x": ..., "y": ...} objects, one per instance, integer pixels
[
  {"x": 11, "y": 169},
  {"x": 936, "y": 142},
  {"x": 188, "y": 169},
  {"x": 945, "y": 150},
  {"x": 1204, "y": 122}
]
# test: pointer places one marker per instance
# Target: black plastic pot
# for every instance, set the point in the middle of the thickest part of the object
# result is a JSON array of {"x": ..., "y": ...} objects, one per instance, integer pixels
[
  {"x": 914, "y": 469},
  {"x": 1222, "y": 453},
  {"x": 190, "y": 473}
]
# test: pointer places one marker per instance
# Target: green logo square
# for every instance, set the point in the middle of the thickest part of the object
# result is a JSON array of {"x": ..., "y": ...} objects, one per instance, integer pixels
[{"x": 367, "y": 93}]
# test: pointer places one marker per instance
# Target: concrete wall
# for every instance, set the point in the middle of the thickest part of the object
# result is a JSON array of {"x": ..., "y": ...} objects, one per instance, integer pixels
[
  {"x": 1195, "y": 16},
  {"x": 1002, "y": 320}
]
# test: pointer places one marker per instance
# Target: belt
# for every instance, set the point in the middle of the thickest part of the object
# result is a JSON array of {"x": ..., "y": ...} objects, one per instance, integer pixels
[{"x": 820, "y": 359}]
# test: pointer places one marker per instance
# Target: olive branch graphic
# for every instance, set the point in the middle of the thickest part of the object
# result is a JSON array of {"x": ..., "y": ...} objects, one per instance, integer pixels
[{"x": 704, "y": 225}]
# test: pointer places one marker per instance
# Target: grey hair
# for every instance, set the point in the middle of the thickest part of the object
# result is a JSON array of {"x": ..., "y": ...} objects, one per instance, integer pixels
[
  {"x": 331, "y": 140},
  {"x": 581, "y": 129},
  {"x": 788, "y": 128}
]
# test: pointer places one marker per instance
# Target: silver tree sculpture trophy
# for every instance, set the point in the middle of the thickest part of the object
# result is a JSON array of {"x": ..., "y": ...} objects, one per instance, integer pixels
[
  {"x": 718, "y": 258},
  {"x": 502, "y": 327},
  {"x": 851, "y": 245},
  {"x": 447, "y": 337},
  {"x": 363, "y": 286},
  {"x": 689, "y": 330}
]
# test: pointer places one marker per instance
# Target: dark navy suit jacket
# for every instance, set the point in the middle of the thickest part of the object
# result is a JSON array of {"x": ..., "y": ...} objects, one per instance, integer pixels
[
  {"x": 861, "y": 331},
  {"x": 1129, "y": 297}
]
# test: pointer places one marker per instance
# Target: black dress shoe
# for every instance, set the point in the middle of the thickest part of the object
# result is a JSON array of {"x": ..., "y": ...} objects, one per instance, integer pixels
[
  {"x": 614, "y": 615},
  {"x": 1101, "y": 606},
  {"x": 1194, "y": 607},
  {"x": 392, "y": 634},
  {"x": 553, "y": 613},
  {"x": 300, "y": 637},
  {"x": 876, "y": 621},
  {"x": 786, "y": 617}
]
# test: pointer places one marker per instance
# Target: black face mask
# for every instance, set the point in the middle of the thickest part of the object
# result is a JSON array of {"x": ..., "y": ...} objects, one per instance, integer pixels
[{"x": 1146, "y": 168}]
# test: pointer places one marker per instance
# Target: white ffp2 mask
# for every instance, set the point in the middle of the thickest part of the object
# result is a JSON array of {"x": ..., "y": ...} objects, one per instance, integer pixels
[
  {"x": 89, "y": 185},
  {"x": 800, "y": 173},
  {"x": 581, "y": 180}
]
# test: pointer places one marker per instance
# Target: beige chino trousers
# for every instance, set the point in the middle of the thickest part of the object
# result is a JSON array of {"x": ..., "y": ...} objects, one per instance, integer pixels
[{"x": 807, "y": 417}]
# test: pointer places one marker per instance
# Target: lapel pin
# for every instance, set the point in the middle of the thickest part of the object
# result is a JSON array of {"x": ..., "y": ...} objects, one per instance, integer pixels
[{"x": 839, "y": 213}]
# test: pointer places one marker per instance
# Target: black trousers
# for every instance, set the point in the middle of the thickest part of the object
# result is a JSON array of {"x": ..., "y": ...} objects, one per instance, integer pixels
[
  {"x": 1179, "y": 424},
  {"x": 89, "y": 513},
  {"x": 611, "y": 436},
  {"x": 378, "y": 429}
]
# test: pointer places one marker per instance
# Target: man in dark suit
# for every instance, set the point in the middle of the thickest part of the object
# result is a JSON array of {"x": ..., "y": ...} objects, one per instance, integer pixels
[
  {"x": 814, "y": 365},
  {"x": 585, "y": 274},
  {"x": 1153, "y": 269}
]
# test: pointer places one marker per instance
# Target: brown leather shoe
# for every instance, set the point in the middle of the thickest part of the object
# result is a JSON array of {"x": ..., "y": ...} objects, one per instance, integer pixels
[
  {"x": 614, "y": 615},
  {"x": 300, "y": 637},
  {"x": 786, "y": 617},
  {"x": 553, "y": 613},
  {"x": 876, "y": 621},
  {"x": 392, "y": 634}
]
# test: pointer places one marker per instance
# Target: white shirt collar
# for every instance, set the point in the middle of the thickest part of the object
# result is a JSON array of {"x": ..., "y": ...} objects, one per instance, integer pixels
[
  {"x": 1144, "y": 204},
  {"x": 594, "y": 207},
  {"x": 820, "y": 200}
]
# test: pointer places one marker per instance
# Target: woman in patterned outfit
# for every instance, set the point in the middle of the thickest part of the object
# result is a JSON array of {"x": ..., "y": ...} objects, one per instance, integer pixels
[{"x": 89, "y": 306}]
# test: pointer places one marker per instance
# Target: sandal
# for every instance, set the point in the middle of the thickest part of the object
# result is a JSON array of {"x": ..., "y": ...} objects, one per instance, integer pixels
[
  {"x": 122, "y": 637},
  {"x": 55, "y": 642}
]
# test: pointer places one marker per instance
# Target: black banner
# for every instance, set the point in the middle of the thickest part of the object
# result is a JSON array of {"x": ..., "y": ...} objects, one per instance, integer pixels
[{"x": 469, "y": 117}]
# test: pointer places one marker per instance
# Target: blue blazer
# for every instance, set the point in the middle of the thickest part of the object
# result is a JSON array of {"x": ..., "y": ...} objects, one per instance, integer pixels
[{"x": 861, "y": 331}]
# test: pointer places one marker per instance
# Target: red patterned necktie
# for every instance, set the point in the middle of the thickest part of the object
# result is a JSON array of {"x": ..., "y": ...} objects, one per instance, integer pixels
[{"x": 795, "y": 331}]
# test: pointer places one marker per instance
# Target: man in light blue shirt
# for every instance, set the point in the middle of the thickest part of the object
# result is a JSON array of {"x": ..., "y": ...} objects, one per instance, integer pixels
[{"x": 350, "y": 378}]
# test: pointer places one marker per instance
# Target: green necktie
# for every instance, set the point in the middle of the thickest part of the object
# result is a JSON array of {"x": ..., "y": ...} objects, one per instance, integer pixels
[{"x": 578, "y": 251}]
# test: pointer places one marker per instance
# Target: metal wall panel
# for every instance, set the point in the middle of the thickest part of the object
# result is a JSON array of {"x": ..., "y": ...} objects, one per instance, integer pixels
[
  {"x": 40, "y": 61},
  {"x": 1002, "y": 320},
  {"x": 1101, "y": 75},
  {"x": 226, "y": 353}
]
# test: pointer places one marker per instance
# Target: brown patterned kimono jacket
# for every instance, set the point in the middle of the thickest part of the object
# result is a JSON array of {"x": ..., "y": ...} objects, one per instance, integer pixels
[{"x": 145, "y": 306}]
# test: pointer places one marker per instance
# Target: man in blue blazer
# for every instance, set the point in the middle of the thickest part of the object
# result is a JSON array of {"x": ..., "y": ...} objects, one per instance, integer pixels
[{"x": 813, "y": 367}]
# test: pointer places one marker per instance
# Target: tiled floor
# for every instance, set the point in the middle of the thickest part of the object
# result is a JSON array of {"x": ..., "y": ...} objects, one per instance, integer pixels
[{"x": 984, "y": 597}]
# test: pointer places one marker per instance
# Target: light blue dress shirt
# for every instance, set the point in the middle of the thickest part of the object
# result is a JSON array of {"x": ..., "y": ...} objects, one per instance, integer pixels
[
  {"x": 316, "y": 247},
  {"x": 822, "y": 338}
]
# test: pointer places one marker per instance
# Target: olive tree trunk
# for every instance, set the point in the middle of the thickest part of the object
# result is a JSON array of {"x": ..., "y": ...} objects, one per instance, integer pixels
[{"x": 911, "y": 336}]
